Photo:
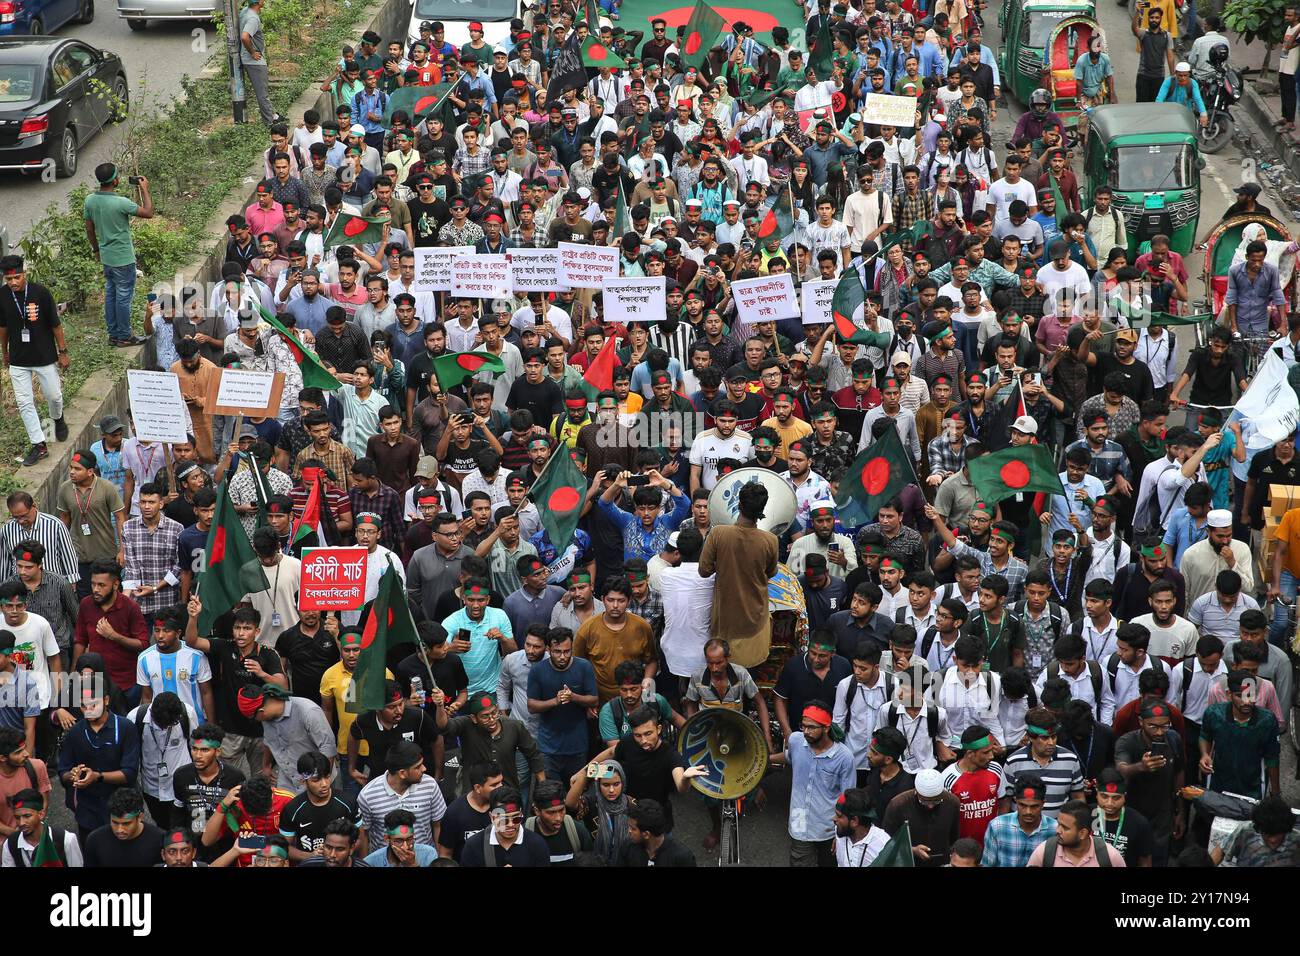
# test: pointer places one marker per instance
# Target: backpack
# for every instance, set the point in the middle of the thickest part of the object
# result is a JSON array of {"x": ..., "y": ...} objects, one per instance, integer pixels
[
  {"x": 931, "y": 719},
  {"x": 1114, "y": 218},
  {"x": 852, "y": 694},
  {"x": 1112, "y": 668},
  {"x": 1187, "y": 683},
  {"x": 1102, "y": 851},
  {"x": 139, "y": 726},
  {"x": 1094, "y": 674},
  {"x": 1055, "y": 618},
  {"x": 56, "y": 834},
  {"x": 570, "y": 833}
]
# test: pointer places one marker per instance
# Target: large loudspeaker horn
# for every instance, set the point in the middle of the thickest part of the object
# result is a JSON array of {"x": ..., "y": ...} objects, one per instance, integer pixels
[
  {"x": 730, "y": 745},
  {"x": 724, "y": 500}
]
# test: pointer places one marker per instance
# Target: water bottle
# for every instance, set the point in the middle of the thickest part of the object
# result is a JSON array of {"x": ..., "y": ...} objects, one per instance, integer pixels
[{"x": 417, "y": 688}]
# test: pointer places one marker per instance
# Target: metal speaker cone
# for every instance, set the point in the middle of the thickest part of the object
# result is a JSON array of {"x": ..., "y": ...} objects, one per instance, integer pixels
[
  {"x": 730, "y": 746},
  {"x": 724, "y": 501}
]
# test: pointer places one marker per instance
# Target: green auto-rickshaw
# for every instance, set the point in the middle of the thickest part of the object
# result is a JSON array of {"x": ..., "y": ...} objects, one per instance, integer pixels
[
  {"x": 1027, "y": 25},
  {"x": 1147, "y": 154}
]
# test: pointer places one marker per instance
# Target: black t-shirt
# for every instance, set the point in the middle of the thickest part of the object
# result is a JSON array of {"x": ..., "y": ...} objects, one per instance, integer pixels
[
  {"x": 182, "y": 511},
  {"x": 1151, "y": 793},
  {"x": 448, "y": 674},
  {"x": 418, "y": 372},
  {"x": 528, "y": 850},
  {"x": 460, "y": 823},
  {"x": 881, "y": 791},
  {"x": 1265, "y": 471},
  {"x": 230, "y": 675},
  {"x": 544, "y": 400},
  {"x": 671, "y": 853},
  {"x": 39, "y": 348},
  {"x": 414, "y": 725},
  {"x": 461, "y": 460},
  {"x": 1212, "y": 384},
  {"x": 1131, "y": 834},
  {"x": 1137, "y": 377},
  {"x": 797, "y": 684},
  {"x": 199, "y": 800},
  {"x": 309, "y": 658},
  {"x": 103, "y": 849},
  {"x": 303, "y": 823},
  {"x": 748, "y": 411},
  {"x": 559, "y": 846},
  {"x": 427, "y": 219},
  {"x": 650, "y": 774}
]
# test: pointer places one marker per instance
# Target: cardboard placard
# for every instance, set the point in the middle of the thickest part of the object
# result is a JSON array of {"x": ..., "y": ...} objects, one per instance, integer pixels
[
  {"x": 433, "y": 266},
  {"x": 157, "y": 407},
  {"x": 635, "y": 300},
  {"x": 817, "y": 296},
  {"x": 481, "y": 277},
  {"x": 333, "y": 579},
  {"x": 237, "y": 391},
  {"x": 535, "y": 270},
  {"x": 765, "y": 298},
  {"x": 587, "y": 267},
  {"x": 885, "y": 110}
]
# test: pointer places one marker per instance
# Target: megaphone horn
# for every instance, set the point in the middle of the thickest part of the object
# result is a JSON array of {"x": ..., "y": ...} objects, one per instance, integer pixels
[{"x": 729, "y": 746}]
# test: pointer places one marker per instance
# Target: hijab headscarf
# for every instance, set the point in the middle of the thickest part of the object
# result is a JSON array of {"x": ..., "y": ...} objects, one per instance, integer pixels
[
  {"x": 1281, "y": 255},
  {"x": 611, "y": 818}
]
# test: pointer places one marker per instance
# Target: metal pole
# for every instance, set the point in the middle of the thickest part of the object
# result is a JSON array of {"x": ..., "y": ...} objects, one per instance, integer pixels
[{"x": 232, "y": 55}]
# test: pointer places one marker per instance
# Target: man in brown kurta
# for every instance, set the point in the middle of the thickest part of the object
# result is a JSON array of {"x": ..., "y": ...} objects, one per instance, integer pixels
[
  {"x": 744, "y": 558},
  {"x": 196, "y": 374}
]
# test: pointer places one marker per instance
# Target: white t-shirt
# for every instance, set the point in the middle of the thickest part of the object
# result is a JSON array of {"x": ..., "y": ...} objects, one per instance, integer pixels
[
  {"x": 1073, "y": 279},
  {"x": 1003, "y": 193},
  {"x": 1177, "y": 641},
  {"x": 525, "y": 318},
  {"x": 278, "y": 604},
  {"x": 33, "y": 643},
  {"x": 834, "y": 237},
  {"x": 709, "y": 446}
]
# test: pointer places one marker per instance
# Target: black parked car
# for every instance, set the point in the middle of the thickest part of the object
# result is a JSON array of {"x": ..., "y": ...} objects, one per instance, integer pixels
[{"x": 55, "y": 94}]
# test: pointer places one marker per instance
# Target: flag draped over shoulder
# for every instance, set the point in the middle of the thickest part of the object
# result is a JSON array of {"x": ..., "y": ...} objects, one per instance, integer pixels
[
  {"x": 385, "y": 622},
  {"x": 227, "y": 575}
]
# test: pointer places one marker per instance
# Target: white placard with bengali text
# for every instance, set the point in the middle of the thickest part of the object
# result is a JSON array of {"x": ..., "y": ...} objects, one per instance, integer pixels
[
  {"x": 635, "y": 300},
  {"x": 245, "y": 388},
  {"x": 433, "y": 266},
  {"x": 535, "y": 270},
  {"x": 481, "y": 277},
  {"x": 587, "y": 267},
  {"x": 157, "y": 408},
  {"x": 765, "y": 298},
  {"x": 886, "y": 110},
  {"x": 817, "y": 297}
]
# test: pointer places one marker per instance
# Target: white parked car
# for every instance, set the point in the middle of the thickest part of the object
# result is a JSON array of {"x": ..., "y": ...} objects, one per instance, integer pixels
[
  {"x": 138, "y": 13},
  {"x": 456, "y": 16}
]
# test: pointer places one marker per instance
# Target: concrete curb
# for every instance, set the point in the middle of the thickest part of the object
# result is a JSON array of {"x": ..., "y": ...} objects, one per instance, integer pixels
[
  {"x": 103, "y": 394},
  {"x": 1265, "y": 113}
]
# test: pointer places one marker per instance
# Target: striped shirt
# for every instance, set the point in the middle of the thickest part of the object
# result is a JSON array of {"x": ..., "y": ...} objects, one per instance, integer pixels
[
  {"x": 422, "y": 798},
  {"x": 180, "y": 672},
  {"x": 1062, "y": 775},
  {"x": 60, "y": 554}
]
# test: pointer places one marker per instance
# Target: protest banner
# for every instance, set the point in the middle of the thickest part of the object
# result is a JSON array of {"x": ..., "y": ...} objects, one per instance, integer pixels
[
  {"x": 587, "y": 267},
  {"x": 635, "y": 300},
  {"x": 765, "y": 298},
  {"x": 332, "y": 579},
  {"x": 817, "y": 297},
  {"x": 433, "y": 266},
  {"x": 481, "y": 277},
  {"x": 535, "y": 270},
  {"x": 156, "y": 406},
  {"x": 885, "y": 110},
  {"x": 241, "y": 392},
  {"x": 1270, "y": 404}
]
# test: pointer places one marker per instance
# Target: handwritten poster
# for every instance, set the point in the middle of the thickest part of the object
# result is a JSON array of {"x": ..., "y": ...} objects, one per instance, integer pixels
[
  {"x": 433, "y": 266},
  {"x": 156, "y": 406},
  {"x": 817, "y": 296},
  {"x": 535, "y": 270}
]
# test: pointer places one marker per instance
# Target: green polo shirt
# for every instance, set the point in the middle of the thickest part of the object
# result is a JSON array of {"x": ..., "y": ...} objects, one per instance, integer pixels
[
  {"x": 111, "y": 213},
  {"x": 1239, "y": 748}
]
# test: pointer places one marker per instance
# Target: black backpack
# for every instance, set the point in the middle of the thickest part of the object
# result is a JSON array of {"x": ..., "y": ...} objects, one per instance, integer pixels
[
  {"x": 57, "y": 835},
  {"x": 852, "y": 694},
  {"x": 931, "y": 719},
  {"x": 1099, "y": 846},
  {"x": 139, "y": 726}
]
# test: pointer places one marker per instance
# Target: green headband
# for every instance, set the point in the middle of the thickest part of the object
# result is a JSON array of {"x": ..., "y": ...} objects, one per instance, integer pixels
[
  {"x": 943, "y": 333},
  {"x": 1039, "y": 731},
  {"x": 1005, "y": 535},
  {"x": 977, "y": 744},
  {"x": 209, "y": 743},
  {"x": 277, "y": 851}
]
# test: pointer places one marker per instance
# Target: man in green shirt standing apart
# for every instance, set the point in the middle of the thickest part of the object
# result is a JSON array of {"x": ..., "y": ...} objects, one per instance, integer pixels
[{"x": 108, "y": 227}]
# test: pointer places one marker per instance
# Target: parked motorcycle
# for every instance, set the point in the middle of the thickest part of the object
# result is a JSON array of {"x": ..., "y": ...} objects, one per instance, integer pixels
[{"x": 1220, "y": 90}]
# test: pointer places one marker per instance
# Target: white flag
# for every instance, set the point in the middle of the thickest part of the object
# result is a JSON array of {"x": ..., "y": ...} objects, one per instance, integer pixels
[{"x": 1270, "y": 404}]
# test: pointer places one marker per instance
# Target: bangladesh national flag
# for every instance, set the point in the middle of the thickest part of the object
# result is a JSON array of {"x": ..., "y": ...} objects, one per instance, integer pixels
[
  {"x": 419, "y": 102},
  {"x": 591, "y": 13},
  {"x": 821, "y": 52},
  {"x": 261, "y": 488},
  {"x": 558, "y": 493},
  {"x": 314, "y": 374},
  {"x": 353, "y": 230},
  {"x": 918, "y": 231},
  {"x": 385, "y": 622},
  {"x": 226, "y": 576},
  {"x": 600, "y": 372},
  {"x": 596, "y": 54},
  {"x": 46, "y": 855},
  {"x": 898, "y": 851},
  {"x": 1015, "y": 469},
  {"x": 315, "y": 528},
  {"x": 701, "y": 33},
  {"x": 454, "y": 368},
  {"x": 845, "y": 304},
  {"x": 878, "y": 474}
]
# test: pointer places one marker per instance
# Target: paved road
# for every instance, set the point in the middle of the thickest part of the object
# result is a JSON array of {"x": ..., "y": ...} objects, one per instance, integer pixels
[{"x": 155, "y": 59}]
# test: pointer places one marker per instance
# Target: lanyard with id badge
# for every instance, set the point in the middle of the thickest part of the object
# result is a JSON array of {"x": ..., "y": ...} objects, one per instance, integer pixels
[
  {"x": 26, "y": 310},
  {"x": 83, "y": 509}
]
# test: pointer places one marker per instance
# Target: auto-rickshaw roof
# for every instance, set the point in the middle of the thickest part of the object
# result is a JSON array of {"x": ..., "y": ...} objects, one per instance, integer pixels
[
  {"x": 1086, "y": 7},
  {"x": 1142, "y": 119}
]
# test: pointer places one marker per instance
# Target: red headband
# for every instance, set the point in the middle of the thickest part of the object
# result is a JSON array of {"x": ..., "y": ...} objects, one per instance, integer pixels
[{"x": 818, "y": 715}]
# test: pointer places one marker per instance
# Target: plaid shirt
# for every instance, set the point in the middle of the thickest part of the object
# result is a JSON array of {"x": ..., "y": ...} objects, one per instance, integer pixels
[
  {"x": 1028, "y": 305},
  {"x": 833, "y": 460},
  {"x": 943, "y": 460},
  {"x": 524, "y": 242},
  {"x": 56, "y": 601},
  {"x": 652, "y": 609},
  {"x": 151, "y": 556},
  {"x": 908, "y": 545},
  {"x": 1107, "y": 462},
  {"x": 338, "y": 458},
  {"x": 243, "y": 491},
  {"x": 929, "y": 366},
  {"x": 468, "y": 165},
  {"x": 1122, "y": 421},
  {"x": 909, "y": 210},
  {"x": 1007, "y": 844},
  {"x": 1015, "y": 572},
  {"x": 386, "y": 503}
]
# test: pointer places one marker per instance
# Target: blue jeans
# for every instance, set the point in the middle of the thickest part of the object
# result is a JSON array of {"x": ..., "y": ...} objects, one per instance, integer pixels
[
  {"x": 562, "y": 767},
  {"x": 1278, "y": 631},
  {"x": 119, "y": 288}
]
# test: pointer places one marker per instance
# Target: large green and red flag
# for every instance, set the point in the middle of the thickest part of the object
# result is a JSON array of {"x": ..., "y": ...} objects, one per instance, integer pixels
[
  {"x": 591, "y": 14},
  {"x": 230, "y": 567},
  {"x": 1015, "y": 469},
  {"x": 821, "y": 52},
  {"x": 596, "y": 54},
  {"x": 315, "y": 527},
  {"x": 385, "y": 622},
  {"x": 1062, "y": 211},
  {"x": 46, "y": 855},
  {"x": 456, "y": 367},
  {"x": 558, "y": 493},
  {"x": 314, "y": 374},
  {"x": 877, "y": 475},
  {"x": 918, "y": 231},
  {"x": 353, "y": 230},
  {"x": 701, "y": 35},
  {"x": 898, "y": 851},
  {"x": 847, "y": 301},
  {"x": 600, "y": 371},
  {"x": 419, "y": 102}
]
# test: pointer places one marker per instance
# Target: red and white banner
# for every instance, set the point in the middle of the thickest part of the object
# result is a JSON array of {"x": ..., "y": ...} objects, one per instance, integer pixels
[{"x": 333, "y": 579}]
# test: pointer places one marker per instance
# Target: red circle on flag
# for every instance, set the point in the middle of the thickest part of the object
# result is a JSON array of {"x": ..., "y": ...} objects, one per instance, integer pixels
[
  {"x": 471, "y": 363},
  {"x": 424, "y": 103},
  {"x": 355, "y": 226},
  {"x": 875, "y": 476},
  {"x": 563, "y": 499},
  {"x": 598, "y": 51},
  {"x": 1014, "y": 474},
  {"x": 692, "y": 43},
  {"x": 368, "y": 636}
]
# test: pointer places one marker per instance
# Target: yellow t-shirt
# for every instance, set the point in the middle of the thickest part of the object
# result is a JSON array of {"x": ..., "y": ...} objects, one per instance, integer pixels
[
  {"x": 334, "y": 684},
  {"x": 796, "y": 429},
  {"x": 1288, "y": 530}
]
